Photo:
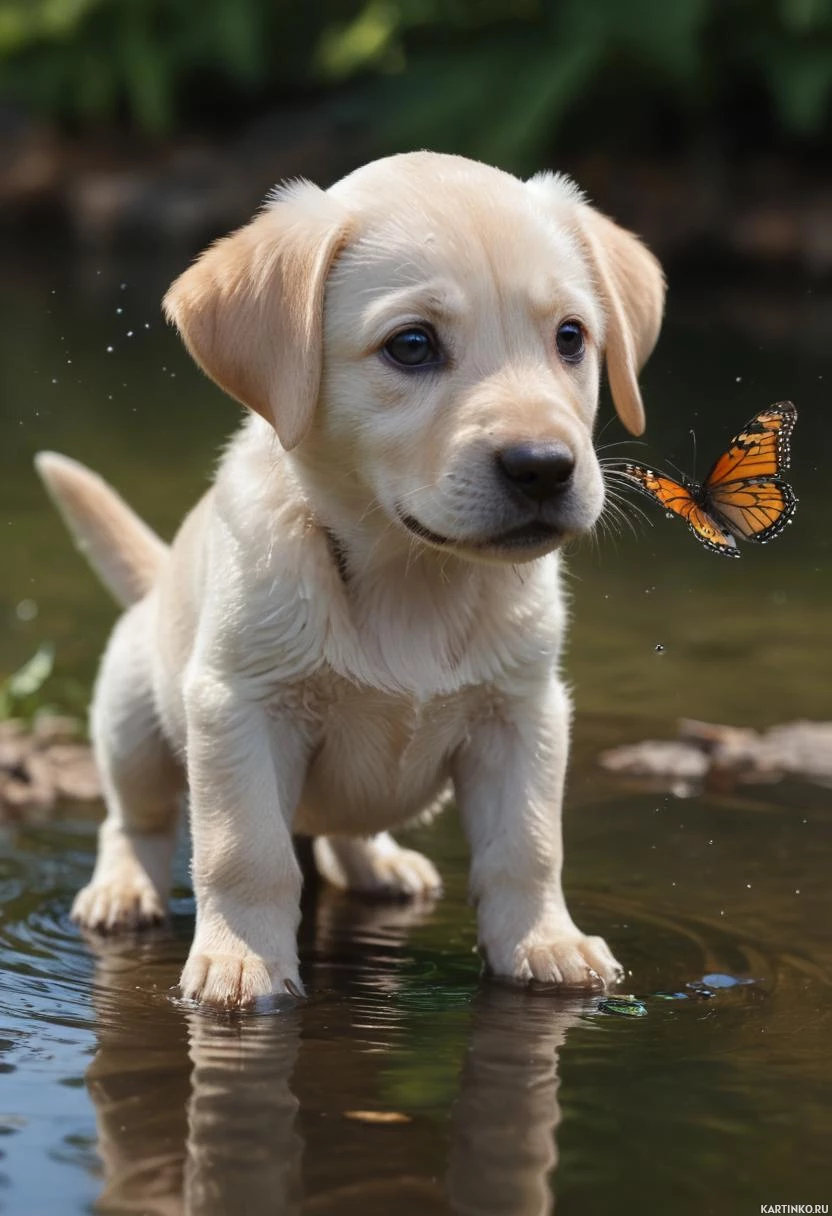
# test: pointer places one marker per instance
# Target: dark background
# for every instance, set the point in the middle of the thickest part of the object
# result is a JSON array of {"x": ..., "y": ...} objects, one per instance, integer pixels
[{"x": 704, "y": 124}]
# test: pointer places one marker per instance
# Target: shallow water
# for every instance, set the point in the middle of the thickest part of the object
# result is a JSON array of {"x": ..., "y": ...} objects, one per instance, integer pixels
[{"x": 116, "y": 1099}]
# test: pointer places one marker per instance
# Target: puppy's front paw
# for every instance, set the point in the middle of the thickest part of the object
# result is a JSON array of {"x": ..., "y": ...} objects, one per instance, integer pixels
[
  {"x": 126, "y": 901},
  {"x": 233, "y": 981},
  {"x": 570, "y": 961}
]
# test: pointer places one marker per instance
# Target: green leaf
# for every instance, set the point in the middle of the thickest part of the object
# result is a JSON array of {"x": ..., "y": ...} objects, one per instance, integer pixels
[
  {"x": 347, "y": 49},
  {"x": 32, "y": 675}
]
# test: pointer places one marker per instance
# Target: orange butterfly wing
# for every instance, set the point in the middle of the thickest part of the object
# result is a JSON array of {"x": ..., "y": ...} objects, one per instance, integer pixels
[
  {"x": 754, "y": 510},
  {"x": 678, "y": 498},
  {"x": 761, "y": 449},
  {"x": 744, "y": 489}
]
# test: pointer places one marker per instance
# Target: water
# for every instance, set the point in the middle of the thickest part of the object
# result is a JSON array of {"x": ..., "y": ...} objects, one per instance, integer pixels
[{"x": 116, "y": 1099}]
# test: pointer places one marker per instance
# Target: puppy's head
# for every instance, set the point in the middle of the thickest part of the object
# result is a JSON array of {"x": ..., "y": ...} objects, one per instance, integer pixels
[{"x": 428, "y": 337}]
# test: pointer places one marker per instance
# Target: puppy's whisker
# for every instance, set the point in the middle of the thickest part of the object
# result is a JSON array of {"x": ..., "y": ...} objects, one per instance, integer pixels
[
  {"x": 614, "y": 513},
  {"x": 606, "y": 427},
  {"x": 626, "y": 506},
  {"x": 619, "y": 443},
  {"x": 410, "y": 555},
  {"x": 616, "y": 516}
]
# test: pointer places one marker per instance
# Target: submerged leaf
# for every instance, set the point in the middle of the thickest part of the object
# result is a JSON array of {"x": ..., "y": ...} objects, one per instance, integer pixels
[{"x": 623, "y": 1006}]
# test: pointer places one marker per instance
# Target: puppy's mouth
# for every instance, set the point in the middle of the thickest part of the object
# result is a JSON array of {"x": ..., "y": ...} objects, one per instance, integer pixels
[{"x": 534, "y": 535}]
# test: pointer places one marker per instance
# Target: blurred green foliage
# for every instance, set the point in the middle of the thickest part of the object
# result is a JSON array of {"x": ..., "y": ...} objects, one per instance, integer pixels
[
  {"x": 19, "y": 690},
  {"x": 499, "y": 79},
  {"x": 22, "y": 693}
]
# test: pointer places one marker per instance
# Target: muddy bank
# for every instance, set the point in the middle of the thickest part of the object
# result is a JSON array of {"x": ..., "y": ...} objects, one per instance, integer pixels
[
  {"x": 44, "y": 765},
  {"x": 722, "y": 757}
]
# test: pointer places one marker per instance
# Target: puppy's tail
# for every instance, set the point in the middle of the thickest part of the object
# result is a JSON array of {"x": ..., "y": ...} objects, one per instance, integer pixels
[{"x": 124, "y": 553}]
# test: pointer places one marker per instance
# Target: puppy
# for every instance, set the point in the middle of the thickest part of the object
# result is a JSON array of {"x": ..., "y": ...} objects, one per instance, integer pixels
[{"x": 364, "y": 611}]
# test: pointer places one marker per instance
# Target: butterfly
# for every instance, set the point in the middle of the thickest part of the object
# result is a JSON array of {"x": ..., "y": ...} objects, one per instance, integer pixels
[{"x": 743, "y": 497}]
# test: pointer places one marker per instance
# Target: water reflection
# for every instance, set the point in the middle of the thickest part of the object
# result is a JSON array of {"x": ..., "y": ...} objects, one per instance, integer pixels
[
  {"x": 139, "y": 1078},
  {"x": 182, "y": 1112},
  {"x": 504, "y": 1123},
  {"x": 200, "y": 1114},
  {"x": 244, "y": 1149}
]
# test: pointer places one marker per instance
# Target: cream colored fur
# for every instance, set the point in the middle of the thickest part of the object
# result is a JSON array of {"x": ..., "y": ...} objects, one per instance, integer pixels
[{"x": 300, "y": 659}]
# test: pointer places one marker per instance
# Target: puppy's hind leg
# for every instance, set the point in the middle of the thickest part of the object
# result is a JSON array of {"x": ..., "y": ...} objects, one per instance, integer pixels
[
  {"x": 143, "y": 788},
  {"x": 375, "y": 865}
]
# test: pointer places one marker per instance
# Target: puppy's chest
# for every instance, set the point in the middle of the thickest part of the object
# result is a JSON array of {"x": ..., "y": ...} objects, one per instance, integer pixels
[{"x": 378, "y": 758}]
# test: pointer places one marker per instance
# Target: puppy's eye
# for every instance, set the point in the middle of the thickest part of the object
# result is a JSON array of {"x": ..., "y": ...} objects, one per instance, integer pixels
[
  {"x": 415, "y": 346},
  {"x": 570, "y": 341}
]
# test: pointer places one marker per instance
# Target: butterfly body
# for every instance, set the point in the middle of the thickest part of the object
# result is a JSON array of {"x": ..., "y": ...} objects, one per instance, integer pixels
[{"x": 744, "y": 496}]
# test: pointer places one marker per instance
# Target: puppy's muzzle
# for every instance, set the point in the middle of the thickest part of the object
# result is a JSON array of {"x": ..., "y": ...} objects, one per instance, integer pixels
[{"x": 536, "y": 472}]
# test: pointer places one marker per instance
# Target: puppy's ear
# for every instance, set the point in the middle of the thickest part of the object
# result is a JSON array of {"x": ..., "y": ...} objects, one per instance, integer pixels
[
  {"x": 629, "y": 281},
  {"x": 632, "y": 288},
  {"x": 250, "y": 309}
]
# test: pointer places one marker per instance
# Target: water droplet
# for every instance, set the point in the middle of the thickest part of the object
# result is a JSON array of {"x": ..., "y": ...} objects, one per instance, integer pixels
[
  {"x": 659, "y": 649},
  {"x": 54, "y": 380},
  {"x": 109, "y": 350},
  {"x": 26, "y": 610},
  {"x": 130, "y": 333},
  {"x": 122, "y": 286},
  {"x": 119, "y": 311},
  {"x": 748, "y": 885},
  {"x": 738, "y": 379}
]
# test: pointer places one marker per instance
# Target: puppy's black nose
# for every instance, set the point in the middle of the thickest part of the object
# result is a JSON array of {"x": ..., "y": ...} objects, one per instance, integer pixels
[{"x": 539, "y": 471}]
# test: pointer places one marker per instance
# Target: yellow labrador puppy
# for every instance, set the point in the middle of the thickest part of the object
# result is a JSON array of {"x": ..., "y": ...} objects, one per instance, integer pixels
[{"x": 364, "y": 611}]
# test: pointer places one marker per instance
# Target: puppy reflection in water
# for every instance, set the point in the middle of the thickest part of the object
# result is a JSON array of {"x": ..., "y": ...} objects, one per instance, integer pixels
[{"x": 203, "y": 1115}]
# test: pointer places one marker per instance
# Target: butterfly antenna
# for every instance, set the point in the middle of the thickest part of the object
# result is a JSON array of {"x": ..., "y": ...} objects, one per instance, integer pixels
[{"x": 693, "y": 438}]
